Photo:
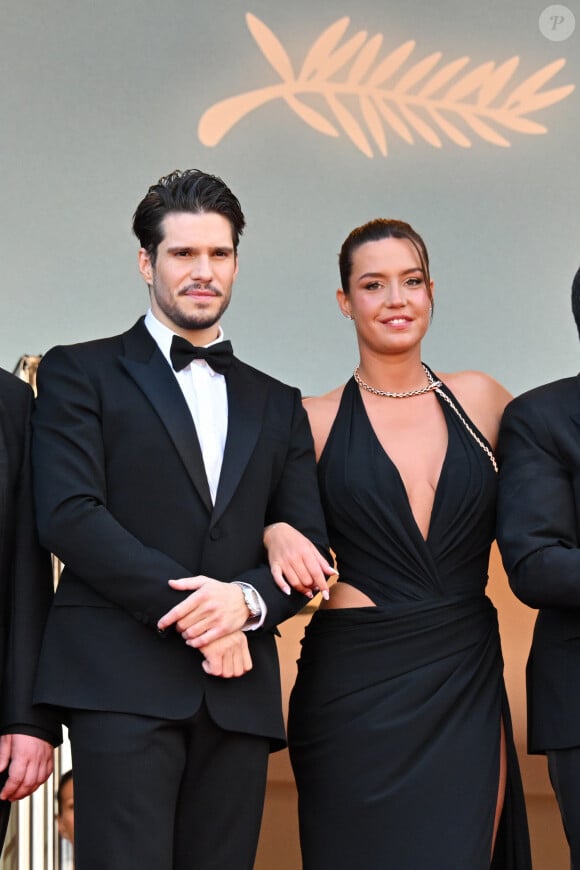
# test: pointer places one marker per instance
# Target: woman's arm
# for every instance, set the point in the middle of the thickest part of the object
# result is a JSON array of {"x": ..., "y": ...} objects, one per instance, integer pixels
[{"x": 294, "y": 562}]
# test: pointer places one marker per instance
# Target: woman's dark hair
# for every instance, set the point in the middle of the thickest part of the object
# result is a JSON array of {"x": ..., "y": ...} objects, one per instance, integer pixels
[
  {"x": 190, "y": 191},
  {"x": 375, "y": 231}
]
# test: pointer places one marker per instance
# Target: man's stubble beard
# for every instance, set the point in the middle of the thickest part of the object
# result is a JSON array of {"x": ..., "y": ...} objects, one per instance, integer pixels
[{"x": 195, "y": 320}]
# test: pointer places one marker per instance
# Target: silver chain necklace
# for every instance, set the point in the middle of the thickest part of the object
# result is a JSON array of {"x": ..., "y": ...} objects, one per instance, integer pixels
[{"x": 430, "y": 385}]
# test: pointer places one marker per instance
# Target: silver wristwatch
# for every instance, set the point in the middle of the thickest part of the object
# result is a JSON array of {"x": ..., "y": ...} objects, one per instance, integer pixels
[{"x": 251, "y": 599}]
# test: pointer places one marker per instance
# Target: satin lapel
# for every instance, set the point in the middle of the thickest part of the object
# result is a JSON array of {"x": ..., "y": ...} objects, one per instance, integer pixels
[
  {"x": 146, "y": 365},
  {"x": 245, "y": 419},
  {"x": 575, "y": 417}
]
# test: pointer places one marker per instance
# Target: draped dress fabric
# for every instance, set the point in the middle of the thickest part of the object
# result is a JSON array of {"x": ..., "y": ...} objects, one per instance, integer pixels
[{"x": 395, "y": 717}]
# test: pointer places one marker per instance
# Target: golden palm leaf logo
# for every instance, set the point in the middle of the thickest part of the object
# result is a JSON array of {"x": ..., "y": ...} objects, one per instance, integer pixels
[{"x": 425, "y": 99}]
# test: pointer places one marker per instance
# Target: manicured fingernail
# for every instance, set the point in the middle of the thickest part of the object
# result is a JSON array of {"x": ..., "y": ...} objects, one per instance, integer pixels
[
  {"x": 286, "y": 590},
  {"x": 325, "y": 594}
]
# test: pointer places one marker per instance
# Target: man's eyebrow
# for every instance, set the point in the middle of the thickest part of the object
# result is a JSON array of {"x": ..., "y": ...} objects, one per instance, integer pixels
[{"x": 174, "y": 248}]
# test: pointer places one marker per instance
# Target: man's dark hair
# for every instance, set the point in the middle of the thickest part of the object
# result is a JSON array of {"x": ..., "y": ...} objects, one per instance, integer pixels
[
  {"x": 190, "y": 190},
  {"x": 576, "y": 299},
  {"x": 66, "y": 777}
]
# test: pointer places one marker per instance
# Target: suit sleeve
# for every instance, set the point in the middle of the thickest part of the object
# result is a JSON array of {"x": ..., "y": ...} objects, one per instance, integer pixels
[
  {"x": 537, "y": 522},
  {"x": 71, "y": 497},
  {"x": 30, "y": 596},
  {"x": 295, "y": 500}
]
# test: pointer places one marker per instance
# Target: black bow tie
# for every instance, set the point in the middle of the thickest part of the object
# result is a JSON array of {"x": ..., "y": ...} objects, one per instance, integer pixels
[{"x": 219, "y": 356}]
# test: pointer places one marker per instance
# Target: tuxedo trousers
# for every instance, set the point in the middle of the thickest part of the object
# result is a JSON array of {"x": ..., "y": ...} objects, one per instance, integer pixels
[
  {"x": 158, "y": 794},
  {"x": 564, "y": 769}
]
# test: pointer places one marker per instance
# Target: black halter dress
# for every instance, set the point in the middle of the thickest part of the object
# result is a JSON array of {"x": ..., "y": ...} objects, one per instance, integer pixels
[{"x": 395, "y": 717}]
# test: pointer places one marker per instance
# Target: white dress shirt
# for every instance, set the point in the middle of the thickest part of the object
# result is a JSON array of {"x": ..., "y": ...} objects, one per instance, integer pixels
[{"x": 206, "y": 395}]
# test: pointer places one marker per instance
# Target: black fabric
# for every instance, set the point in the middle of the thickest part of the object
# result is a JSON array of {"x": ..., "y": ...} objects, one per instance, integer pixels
[
  {"x": 219, "y": 356},
  {"x": 564, "y": 768},
  {"x": 26, "y": 587},
  {"x": 123, "y": 499},
  {"x": 539, "y": 536},
  {"x": 205, "y": 807},
  {"x": 396, "y": 714}
]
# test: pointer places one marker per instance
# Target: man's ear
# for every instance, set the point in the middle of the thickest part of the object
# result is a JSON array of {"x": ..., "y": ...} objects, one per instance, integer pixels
[{"x": 145, "y": 266}]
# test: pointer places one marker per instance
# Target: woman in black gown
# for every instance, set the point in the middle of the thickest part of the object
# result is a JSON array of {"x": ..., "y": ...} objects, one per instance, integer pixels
[{"x": 399, "y": 728}]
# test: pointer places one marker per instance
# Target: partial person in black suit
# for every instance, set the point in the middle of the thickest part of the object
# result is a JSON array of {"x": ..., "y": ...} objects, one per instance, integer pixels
[
  {"x": 27, "y": 733},
  {"x": 155, "y": 476},
  {"x": 539, "y": 538}
]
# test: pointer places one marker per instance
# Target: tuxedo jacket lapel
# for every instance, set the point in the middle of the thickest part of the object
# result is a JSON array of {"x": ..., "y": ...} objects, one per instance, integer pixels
[
  {"x": 575, "y": 415},
  {"x": 147, "y": 366},
  {"x": 245, "y": 421}
]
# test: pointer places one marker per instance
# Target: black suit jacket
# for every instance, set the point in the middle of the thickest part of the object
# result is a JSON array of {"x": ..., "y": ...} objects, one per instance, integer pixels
[
  {"x": 539, "y": 537},
  {"x": 25, "y": 571},
  {"x": 122, "y": 498}
]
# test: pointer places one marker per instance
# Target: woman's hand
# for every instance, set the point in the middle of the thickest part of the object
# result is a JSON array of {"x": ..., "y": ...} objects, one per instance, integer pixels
[{"x": 295, "y": 562}]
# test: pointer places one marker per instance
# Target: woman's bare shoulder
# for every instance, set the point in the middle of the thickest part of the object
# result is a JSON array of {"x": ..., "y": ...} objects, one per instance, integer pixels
[
  {"x": 477, "y": 386},
  {"x": 483, "y": 398},
  {"x": 321, "y": 412},
  {"x": 330, "y": 399}
]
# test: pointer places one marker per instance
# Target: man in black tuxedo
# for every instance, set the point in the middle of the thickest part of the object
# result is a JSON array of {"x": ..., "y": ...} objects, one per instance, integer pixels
[
  {"x": 27, "y": 733},
  {"x": 539, "y": 538},
  {"x": 159, "y": 458}
]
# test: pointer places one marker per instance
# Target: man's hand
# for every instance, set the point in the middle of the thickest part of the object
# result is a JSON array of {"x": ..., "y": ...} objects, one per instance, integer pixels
[
  {"x": 29, "y": 761},
  {"x": 227, "y": 657},
  {"x": 295, "y": 562},
  {"x": 215, "y": 609}
]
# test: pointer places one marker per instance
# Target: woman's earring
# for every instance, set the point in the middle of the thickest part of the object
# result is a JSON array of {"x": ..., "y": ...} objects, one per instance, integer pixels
[{"x": 348, "y": 316}]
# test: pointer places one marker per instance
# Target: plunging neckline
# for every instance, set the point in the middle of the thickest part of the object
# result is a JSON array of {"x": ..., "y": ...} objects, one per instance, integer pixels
[{"x": 398, "y": 475}]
